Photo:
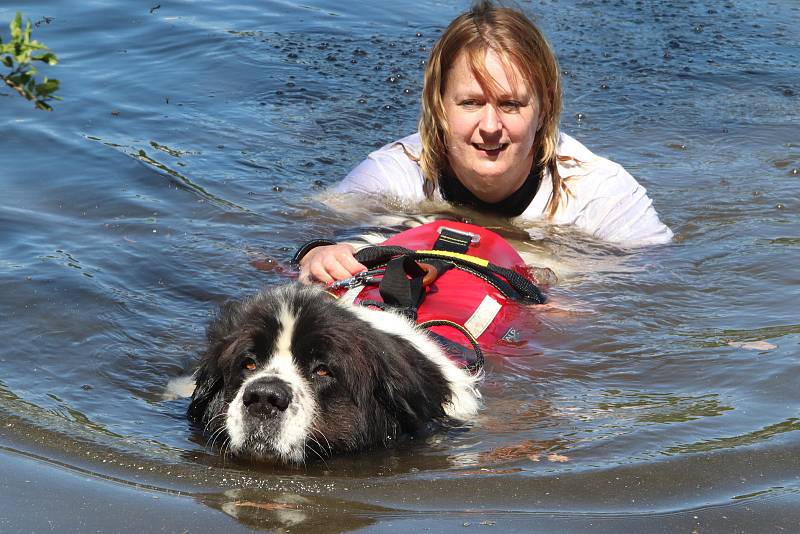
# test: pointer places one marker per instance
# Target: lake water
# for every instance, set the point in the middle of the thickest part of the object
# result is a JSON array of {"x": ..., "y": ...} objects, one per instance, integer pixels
[{"x": 187, "y": 161}]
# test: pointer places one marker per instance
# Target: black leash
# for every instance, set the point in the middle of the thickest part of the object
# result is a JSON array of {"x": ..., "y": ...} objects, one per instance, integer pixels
[{"x": 473, "y": 367}]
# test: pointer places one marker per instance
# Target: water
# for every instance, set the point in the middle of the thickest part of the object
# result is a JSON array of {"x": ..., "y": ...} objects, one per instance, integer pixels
[{"x": 187, "y": 161}]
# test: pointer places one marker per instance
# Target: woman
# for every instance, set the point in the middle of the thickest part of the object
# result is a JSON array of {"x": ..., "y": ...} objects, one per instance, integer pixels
[{"x": 489, "y": 139}]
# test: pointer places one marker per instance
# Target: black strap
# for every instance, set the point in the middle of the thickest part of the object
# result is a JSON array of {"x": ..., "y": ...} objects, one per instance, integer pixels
[
  {"x": 452, "y": 241},
  {"x": 440, "y": 265},
  {"x": 379, "y": 255},
  {"x": 474, "y": 365},
  {"x": 401, "y": 286},
  {"x": 526, "y": 288}
]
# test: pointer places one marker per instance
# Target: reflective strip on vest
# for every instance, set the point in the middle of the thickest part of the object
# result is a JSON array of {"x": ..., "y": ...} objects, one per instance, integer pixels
[{"x": 483, "y": 316}]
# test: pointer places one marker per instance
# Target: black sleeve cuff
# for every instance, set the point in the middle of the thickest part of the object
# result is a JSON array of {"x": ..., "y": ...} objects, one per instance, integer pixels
[{"x": 303, "y": 250}]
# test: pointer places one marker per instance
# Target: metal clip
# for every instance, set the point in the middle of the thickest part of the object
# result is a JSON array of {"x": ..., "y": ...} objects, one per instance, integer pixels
[{"x": 358, "y": 279}]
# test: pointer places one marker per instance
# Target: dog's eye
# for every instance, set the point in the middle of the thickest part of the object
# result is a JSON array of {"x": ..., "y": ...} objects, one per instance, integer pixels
[
  {"x": 249, "y": 364},
  {"x": 322, "y": 370}
]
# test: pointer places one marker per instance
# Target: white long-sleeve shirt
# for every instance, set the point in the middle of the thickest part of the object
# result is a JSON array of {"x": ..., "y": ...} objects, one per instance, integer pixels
[{"x": 604, "y": 200}]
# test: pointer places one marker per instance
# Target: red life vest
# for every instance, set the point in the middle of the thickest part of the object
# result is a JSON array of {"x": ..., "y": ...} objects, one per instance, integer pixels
[{"x": 459, "y": 296}]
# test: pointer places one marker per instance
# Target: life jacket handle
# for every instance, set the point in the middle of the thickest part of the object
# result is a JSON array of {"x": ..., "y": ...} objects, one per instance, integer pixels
[
  {"x": 473, "y": 367},
  {"x": 507, "y": 281}
]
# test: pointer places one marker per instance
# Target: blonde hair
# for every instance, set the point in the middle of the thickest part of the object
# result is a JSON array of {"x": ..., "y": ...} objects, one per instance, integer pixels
[{"x": 524, "y": 50}]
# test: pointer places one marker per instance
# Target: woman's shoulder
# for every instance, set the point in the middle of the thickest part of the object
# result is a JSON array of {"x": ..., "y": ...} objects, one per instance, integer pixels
[
  {"x": 584, "y": 171},
  {"x": 392, "y": 169},
  {"x": 402, "y": 151},
  {"x": 569, "y": 147},
  {"x": 574, "y": 154},
  {"x": 410, "y": 144}
]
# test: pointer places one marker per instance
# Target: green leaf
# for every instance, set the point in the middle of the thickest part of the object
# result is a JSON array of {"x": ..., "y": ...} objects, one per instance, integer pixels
[
  {"x": 49, "y": 58},
  {"x": 19, "y": 78},
  {"x": 17, "y": 55},
  {"x": 21, "y": 54},
  {"x": 16, "y": 27},
  {"x": 47, "y": 87},
  {"x": 36, "y": 45}
]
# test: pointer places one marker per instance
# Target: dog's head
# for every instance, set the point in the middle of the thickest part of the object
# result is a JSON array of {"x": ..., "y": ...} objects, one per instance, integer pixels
[{"x": 291, "y": 370}]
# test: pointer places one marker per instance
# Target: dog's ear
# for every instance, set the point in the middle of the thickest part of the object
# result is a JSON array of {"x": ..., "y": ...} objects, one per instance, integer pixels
[
  {"x": 208, "y": 380},
  {"x": 412, "y": 387}
]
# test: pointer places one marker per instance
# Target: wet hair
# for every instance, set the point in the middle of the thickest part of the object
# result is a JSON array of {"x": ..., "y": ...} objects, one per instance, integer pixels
[{"x": 523, "y": 50}]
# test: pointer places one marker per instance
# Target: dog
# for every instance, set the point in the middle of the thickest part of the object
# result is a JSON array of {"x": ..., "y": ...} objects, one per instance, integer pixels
[{"x": 292, "y": 372}]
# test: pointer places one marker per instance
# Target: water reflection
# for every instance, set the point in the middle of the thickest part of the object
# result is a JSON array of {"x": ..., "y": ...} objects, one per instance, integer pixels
[
  {"x": 659, "y": 408},
  {"x": 287, "y": 512},
  {"x": 751, "y": 438}
]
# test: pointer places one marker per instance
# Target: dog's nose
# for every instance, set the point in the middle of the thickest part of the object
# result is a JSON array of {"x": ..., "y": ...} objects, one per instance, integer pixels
[{"x": 264, "y": 396}]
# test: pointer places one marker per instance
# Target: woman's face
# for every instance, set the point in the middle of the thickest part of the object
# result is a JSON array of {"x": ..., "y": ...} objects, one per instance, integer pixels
[{"x": 490, "y": 143}]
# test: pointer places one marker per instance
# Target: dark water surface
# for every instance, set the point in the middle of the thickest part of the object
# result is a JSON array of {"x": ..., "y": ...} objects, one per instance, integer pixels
[{"x": 660, "y": 392}]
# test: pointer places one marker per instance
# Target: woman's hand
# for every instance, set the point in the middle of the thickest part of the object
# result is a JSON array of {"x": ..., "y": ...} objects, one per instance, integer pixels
[{"x": 329, "y": 263}]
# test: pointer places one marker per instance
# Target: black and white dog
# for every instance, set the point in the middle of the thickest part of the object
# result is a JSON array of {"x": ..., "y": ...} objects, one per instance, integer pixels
[{"x": 292, "y": 371}]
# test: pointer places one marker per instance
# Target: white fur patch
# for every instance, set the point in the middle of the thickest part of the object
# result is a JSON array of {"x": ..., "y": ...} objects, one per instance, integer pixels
[
  {"x": 179, "y": 388},
  {"x": 465, "y": 397},
  {"x": 283, "y": 345},
  {"x": 294, "y": 423}
]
